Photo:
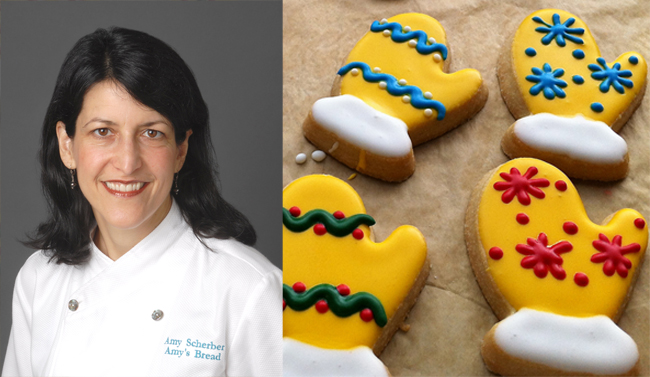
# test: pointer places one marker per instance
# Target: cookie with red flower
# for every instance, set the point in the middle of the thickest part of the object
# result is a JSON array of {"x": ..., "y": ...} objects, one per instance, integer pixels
[{"x": 557, "y": 281}]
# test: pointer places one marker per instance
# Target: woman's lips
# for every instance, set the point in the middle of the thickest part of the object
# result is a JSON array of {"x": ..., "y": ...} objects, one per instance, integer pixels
[{"x": 125, "y": 189}]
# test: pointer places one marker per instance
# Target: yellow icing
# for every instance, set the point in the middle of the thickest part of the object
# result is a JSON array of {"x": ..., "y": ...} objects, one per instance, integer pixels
[
  {"x": 404, "y": 62},
  {"x": 387, "y": 269},
  {"x": 578, "y": 97},
  {"x": 520, "y": 286}
]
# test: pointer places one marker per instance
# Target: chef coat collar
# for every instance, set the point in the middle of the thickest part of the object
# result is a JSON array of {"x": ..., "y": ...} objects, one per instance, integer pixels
[
  {"x": 164, "y": 234},
  {"x": 106, "y": 282}
]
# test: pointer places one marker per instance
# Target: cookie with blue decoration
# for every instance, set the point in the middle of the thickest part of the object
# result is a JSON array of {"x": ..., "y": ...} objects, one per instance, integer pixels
[
  {"x": 393, "y": 92},
  {"x": 569, "y": 101}
]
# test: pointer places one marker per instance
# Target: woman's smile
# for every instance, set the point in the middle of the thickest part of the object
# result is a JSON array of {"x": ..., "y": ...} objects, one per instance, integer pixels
[{"x": 125, "y": 189}]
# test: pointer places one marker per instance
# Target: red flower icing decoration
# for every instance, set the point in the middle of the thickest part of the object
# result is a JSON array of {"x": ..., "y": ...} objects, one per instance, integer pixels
[
  {"x": 612, "y": 254},
  {"x": 521, "y": 185},
  {"x": 542, "y": 258}
]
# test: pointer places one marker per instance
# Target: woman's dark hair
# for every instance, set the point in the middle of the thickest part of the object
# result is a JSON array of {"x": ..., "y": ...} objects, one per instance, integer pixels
[{"x": 156, "y": 76}]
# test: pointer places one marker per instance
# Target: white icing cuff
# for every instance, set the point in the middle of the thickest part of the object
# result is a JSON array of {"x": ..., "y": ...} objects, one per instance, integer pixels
[
  {"x": 302, "y": 359},
  {"x": 362, "y": 125},
  {"x": 590, "y": 345},
  {"x": 579, "y": 138}
]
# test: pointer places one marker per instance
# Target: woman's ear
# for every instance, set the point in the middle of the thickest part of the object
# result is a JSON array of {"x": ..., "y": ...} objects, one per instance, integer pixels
[
  {"x": 65, "y": 146},
  {"x": 182, "y": 151}
]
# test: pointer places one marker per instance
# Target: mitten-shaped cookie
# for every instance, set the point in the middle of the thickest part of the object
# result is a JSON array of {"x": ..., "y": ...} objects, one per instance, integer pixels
[
  {"x": 344, "y": 295},
  {"x": 569, "y": 101},
  {"x": 392, "y": 93},
  {"x": 557, "y": 281}
]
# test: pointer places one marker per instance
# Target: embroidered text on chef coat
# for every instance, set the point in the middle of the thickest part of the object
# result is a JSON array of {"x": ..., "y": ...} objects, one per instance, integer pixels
[{"x": 194, "y": 348}]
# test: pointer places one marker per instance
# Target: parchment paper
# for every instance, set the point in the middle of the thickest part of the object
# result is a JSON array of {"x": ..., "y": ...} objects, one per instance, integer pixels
[{"x": 451, "y": 316}]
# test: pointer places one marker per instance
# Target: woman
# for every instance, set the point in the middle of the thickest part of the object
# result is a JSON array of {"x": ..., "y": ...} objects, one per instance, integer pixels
[{"x": 144, "y": 269}]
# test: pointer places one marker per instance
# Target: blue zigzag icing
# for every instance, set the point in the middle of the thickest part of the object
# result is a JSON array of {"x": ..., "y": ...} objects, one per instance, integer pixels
[
  {"x": 393, "y": 87},
  {"x": 397, "y": 35}
]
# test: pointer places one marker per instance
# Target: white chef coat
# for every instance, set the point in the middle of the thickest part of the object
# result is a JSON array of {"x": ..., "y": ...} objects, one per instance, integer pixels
[{"x": 221, "y": 311}]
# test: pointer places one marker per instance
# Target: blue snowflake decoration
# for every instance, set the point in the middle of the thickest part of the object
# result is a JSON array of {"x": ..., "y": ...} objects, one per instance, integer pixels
[
  {"x": 610, "y": 76},
  {"x": 559, "y": 31},
  {"x": 547, "y": 80}
]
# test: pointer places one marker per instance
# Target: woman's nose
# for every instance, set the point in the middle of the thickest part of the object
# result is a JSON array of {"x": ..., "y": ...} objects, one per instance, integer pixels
[{"x": 127, "y": 156}]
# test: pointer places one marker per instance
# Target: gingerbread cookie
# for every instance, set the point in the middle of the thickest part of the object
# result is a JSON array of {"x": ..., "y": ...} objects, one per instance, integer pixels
[
  {"x": 557, "y": 281},
  {"x": 344, "y": 295},
  {"x": 568, "y": 100},
  {"x": 392, "y": 93}
]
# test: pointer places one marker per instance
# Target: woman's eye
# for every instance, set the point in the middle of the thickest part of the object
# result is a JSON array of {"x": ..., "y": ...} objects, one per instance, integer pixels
[
  {"x": 153, "y": 133},
  {"x": 102, "y": 131}
]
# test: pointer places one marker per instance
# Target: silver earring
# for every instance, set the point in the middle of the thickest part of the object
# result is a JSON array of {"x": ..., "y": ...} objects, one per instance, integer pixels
[
  {"x": 176, "y": 190},
  {"x": 72, "y": 184}
]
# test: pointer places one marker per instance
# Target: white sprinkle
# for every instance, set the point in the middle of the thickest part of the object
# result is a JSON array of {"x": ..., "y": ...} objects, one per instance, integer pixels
[
  {"x": 301, "y": 158},
  {"x": 406, "y": 99},
  {"x": 354, "y": 71},
  {"x": 402, "y": 82},
  {"x": 386, "y": 32},
  {"x": 334, "y": 147},
  {"x": 413, "y": 43},
  {"x": 428, "y": 95},
  {"x": 432, "y": 40},
  {"x": 407, "y": 28},
  {"x": 383, "y": 21},
  {"x": 376, "y": 69},
  {"x": 428, "y": 112},
  {"x": 318, "y": 156},
  {"x": 437, "y": 57},
  {"x": 382, "y": 84}
]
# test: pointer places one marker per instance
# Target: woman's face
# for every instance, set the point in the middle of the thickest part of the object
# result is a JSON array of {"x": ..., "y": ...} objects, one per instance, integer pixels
[{"x": 125, "y": 155}]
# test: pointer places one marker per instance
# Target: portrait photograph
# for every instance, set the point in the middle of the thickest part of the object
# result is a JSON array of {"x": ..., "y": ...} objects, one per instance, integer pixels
[{"x": 140, "y": 177}]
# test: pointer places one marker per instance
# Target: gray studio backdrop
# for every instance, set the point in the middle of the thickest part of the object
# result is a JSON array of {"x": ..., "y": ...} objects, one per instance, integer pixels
[{"x": 235, "y": 52}]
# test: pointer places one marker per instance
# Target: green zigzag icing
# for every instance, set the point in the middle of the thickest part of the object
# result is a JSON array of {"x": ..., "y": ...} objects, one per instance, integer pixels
[
  {"x": 336, "y": 227},
  {"x": 342, "y": 306}
]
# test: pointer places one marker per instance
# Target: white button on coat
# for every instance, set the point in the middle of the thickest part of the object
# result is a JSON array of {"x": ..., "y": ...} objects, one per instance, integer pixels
[{"x": 222, "y": 311}]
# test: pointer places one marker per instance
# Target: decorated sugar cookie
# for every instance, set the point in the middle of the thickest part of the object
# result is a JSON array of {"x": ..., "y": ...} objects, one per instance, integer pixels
[
  {"x": 557, "y": 281},
  {"x": 569, "y": 101},
  {"x": 344, "y": 295},
  {"x": 392, "y": 93}
]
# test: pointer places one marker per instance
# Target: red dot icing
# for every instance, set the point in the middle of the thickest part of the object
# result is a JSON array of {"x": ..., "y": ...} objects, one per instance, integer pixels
[
  {"x": 570, "y": 227},
  {"x": 322, "y": 307},
  {"x": 320, "y": 229},
  {"x": 366, "y": 315},
  {"x": 339, "y": 215},
  {"x": 581, "y": 279},
  {"x": 284, "y": 304},
  {"x": 496, "y": 253},
  {"x": 294, "y": 211},
  {"x": 639, "y": 223},
  {"x": 299, "y": 287},
  {"x": 343, "y": 289},
  {"x": 560, "y": 185},
  {"x": 522, "y": 218},
  {"x": 357, "y": 233}
]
